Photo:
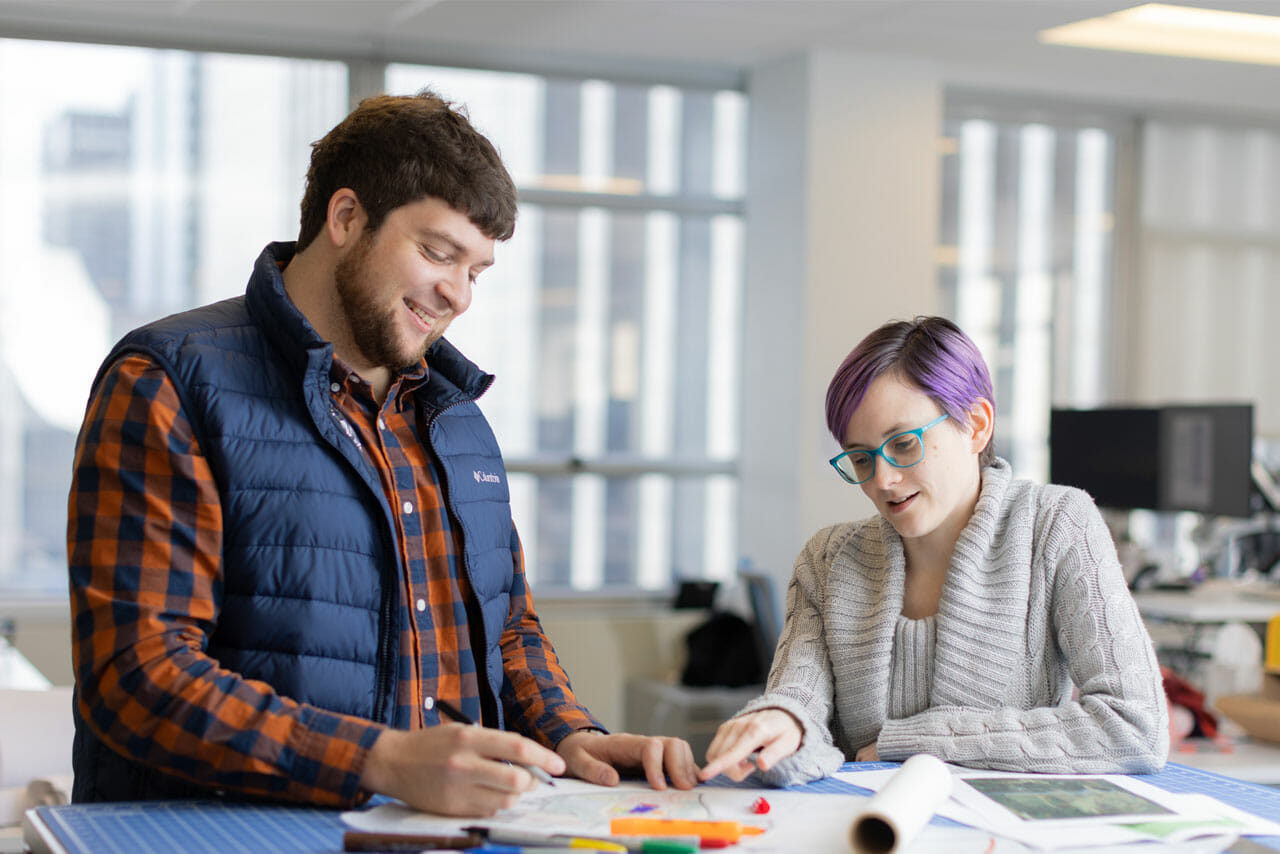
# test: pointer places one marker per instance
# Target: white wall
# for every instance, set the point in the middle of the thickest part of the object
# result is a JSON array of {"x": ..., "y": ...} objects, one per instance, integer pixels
[{"x": 841, "y": 232}]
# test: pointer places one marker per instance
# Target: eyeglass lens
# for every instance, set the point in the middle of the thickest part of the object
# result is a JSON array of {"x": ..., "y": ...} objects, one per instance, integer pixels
[{"x": 901, "y": 451}]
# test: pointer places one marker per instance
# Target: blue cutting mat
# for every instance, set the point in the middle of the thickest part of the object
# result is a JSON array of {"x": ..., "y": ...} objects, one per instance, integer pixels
[
  {"x": 198, "y": 827},
  {"x": 1251, "y": 797},
  {"x": 203, "y": 827}
]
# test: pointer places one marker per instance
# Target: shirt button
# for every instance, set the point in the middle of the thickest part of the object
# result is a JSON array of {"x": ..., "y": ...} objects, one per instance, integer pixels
[
  {"x": 429, "y": 703},
  {"x": 408, "y": 507},
  {"x": 422, "y": 604},
  {"x": 335, "y": 388},
  {"x": 382, "y": 424}
]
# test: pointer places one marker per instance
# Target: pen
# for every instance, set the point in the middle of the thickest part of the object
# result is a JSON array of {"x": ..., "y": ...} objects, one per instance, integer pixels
[
  {"x": 519, "y": 849},
  {"x": 666, "y": 844},
  {"x": 533, "y": 839},
  {"x": 360, "y": 840},
  {"x": 455, "y": 715}
]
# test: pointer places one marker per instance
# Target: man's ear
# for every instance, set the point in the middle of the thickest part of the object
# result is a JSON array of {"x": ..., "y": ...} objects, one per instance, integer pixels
[
  {"x": 982, "y": 423},
  {"x": 345, "y": 219}
]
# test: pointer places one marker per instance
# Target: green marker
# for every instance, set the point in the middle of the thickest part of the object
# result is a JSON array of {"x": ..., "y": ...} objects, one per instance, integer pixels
[{"x": 661, "y": 844}]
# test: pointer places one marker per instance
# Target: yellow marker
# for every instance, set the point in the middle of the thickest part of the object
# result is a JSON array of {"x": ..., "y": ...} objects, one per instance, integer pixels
[
  {"x": 1273, "y": 643},
  {"x": 516, "y": 836},
  {"x": 730, "y": 831},
  {"x": 591, "y": 844}
]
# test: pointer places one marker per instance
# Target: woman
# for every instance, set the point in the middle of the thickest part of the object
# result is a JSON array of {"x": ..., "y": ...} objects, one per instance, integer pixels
[{"x": 958, "y": 621}]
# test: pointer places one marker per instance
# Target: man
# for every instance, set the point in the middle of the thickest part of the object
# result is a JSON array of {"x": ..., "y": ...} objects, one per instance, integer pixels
[{"x": 289, "y": 530}]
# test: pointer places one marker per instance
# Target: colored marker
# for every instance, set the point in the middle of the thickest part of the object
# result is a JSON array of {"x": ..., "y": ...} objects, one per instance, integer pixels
[
  {"x": 456, "y": 715},
  {"x": 731, "y": 831},
  {"x": 661, "y": 844},
  {"x": 358, "y": 840},
  {"x": 515, "y": 836}
]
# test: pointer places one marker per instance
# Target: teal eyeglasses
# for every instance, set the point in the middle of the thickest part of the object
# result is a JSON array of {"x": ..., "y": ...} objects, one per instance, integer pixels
[{"x": 901, "y": 450}]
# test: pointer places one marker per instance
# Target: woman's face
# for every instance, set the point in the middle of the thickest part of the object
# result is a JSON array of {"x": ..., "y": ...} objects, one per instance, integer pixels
[{"x": 936, "y": 496}]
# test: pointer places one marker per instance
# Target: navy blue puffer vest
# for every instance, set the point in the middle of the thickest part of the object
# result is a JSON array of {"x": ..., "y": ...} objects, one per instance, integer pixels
[{"x": 310, "y": 593}]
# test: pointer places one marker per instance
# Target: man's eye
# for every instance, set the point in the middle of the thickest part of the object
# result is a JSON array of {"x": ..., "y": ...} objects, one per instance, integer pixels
[{"x": 438, "y": 257}]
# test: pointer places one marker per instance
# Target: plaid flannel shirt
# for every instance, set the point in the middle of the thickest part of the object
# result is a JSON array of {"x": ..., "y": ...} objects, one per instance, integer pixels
[{"x": 144, "y": 542}]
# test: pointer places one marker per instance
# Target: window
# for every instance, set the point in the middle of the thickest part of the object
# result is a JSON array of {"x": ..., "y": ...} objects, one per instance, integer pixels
[
  {"x": 141, "y": 182},
  {"x": 611, "y": 321},
  {"x": 1210, "y": 255},
  {"x": 1026, "y": 266},
  {"x": 138, "y": 182}
]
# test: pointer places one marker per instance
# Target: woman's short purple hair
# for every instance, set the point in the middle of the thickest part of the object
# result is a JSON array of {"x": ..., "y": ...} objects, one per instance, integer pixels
[{"x": 928, "y": 352}]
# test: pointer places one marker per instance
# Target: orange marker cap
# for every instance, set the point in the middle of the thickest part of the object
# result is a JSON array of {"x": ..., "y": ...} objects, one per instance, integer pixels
[{"x": 730, "y": 830}]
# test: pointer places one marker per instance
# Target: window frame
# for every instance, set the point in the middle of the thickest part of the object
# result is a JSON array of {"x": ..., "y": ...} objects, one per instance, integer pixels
[{"x": 367, "y": 72}]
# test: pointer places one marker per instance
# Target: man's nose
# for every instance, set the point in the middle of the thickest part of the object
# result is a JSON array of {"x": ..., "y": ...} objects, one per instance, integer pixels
[{"x": 455, "y": 287}]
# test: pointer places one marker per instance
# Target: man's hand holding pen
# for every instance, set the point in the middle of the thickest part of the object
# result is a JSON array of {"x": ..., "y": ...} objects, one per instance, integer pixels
[
  {"x": 456, "y": 770},
  {"x": 469, "y": 770}
]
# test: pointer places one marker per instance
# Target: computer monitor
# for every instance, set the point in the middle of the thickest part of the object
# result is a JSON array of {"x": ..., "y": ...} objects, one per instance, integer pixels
[
  {"x": 1186, "y": 457},
  {"x": 1206, "y": 459},
  {"x": 1113, "y": 454}
]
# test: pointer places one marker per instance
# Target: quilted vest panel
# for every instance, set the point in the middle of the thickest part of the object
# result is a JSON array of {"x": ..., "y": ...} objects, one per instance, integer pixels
[{"x": 310, "y": 594}]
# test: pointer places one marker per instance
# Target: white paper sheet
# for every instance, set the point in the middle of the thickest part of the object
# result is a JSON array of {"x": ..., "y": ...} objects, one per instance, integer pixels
[
  {"x": 795, "y": 822},
  {"x": 1193, "y": 822}
]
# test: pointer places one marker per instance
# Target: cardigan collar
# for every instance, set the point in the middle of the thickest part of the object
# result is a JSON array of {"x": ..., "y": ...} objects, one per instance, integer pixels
[{"x": 966, "y": 637}]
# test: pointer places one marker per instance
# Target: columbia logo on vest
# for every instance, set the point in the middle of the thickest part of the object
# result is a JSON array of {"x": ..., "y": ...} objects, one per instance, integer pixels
[{"x": 486, "y": 477}]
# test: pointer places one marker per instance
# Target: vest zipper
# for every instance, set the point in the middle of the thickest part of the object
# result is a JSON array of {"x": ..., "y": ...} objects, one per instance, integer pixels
[
  {"x": 384, "y": 671},
  {"x": 483, "y": 665}
]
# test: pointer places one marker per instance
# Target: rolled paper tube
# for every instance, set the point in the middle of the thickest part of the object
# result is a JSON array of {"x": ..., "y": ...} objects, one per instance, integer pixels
[{"x": 895, "y": 814}]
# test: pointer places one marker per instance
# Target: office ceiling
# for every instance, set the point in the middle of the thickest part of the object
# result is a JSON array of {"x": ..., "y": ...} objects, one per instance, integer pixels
[{"x": 984, "y": 43}]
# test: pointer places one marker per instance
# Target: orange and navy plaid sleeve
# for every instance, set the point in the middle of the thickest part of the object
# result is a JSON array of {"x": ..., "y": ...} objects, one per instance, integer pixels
[
  {"x": 144, "y": 541},
  {"x": 536, "y": 695}
]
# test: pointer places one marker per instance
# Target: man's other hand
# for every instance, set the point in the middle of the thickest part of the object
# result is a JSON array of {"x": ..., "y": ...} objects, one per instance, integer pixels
[{"x": 598, "y": 757}]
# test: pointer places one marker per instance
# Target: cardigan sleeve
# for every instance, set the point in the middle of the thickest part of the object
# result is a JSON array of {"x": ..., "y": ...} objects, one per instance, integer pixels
[
  {"x": 800, "y": 680},
  {"x": 1118, "y": 722}
]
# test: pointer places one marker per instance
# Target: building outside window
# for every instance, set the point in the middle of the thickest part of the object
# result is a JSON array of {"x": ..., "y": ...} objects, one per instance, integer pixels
[
  {"x": 138, "y": 183},
  {"x": 612, "y": 322},
  {"x": 142, "y": 182},
  {"x": 1029, "y": 255}
]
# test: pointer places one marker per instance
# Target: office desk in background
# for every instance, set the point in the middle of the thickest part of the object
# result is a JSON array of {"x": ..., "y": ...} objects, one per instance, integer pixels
[
  {"x": 1180, "y": 623},
  {"x": 1246, "y": 759},
  {"x": 219, "y": 828},
  {"x": 1206, "y": 606}
]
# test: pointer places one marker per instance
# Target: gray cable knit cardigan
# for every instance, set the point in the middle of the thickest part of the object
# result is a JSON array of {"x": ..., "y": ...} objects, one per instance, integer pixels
[{"x": 1034, "y": 602}]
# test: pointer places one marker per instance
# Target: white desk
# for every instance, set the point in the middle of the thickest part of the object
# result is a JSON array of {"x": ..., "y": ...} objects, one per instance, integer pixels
[
  {"x": 1249, "y": 760},
  {"x": 1205, "y": 606}
]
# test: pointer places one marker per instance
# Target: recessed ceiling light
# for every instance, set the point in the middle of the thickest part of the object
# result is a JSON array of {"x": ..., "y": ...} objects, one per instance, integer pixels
[{"x": 1177, "y": 31}]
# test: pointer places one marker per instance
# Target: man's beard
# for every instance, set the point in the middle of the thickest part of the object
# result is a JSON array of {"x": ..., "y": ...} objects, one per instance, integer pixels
[{"x": 373, "y": 326}]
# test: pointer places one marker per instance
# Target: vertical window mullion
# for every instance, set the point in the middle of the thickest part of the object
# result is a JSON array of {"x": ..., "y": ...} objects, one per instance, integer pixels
[
  {"x": 1088, "y": 322},
  {"x": 590, "y": 409},
  {"x": 658, "y": 369},
  {"x": 1033, "y": 301}
]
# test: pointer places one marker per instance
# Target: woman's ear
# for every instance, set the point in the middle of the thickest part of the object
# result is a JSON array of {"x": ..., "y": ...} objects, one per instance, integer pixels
[{"x": 982, "y": 423}]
